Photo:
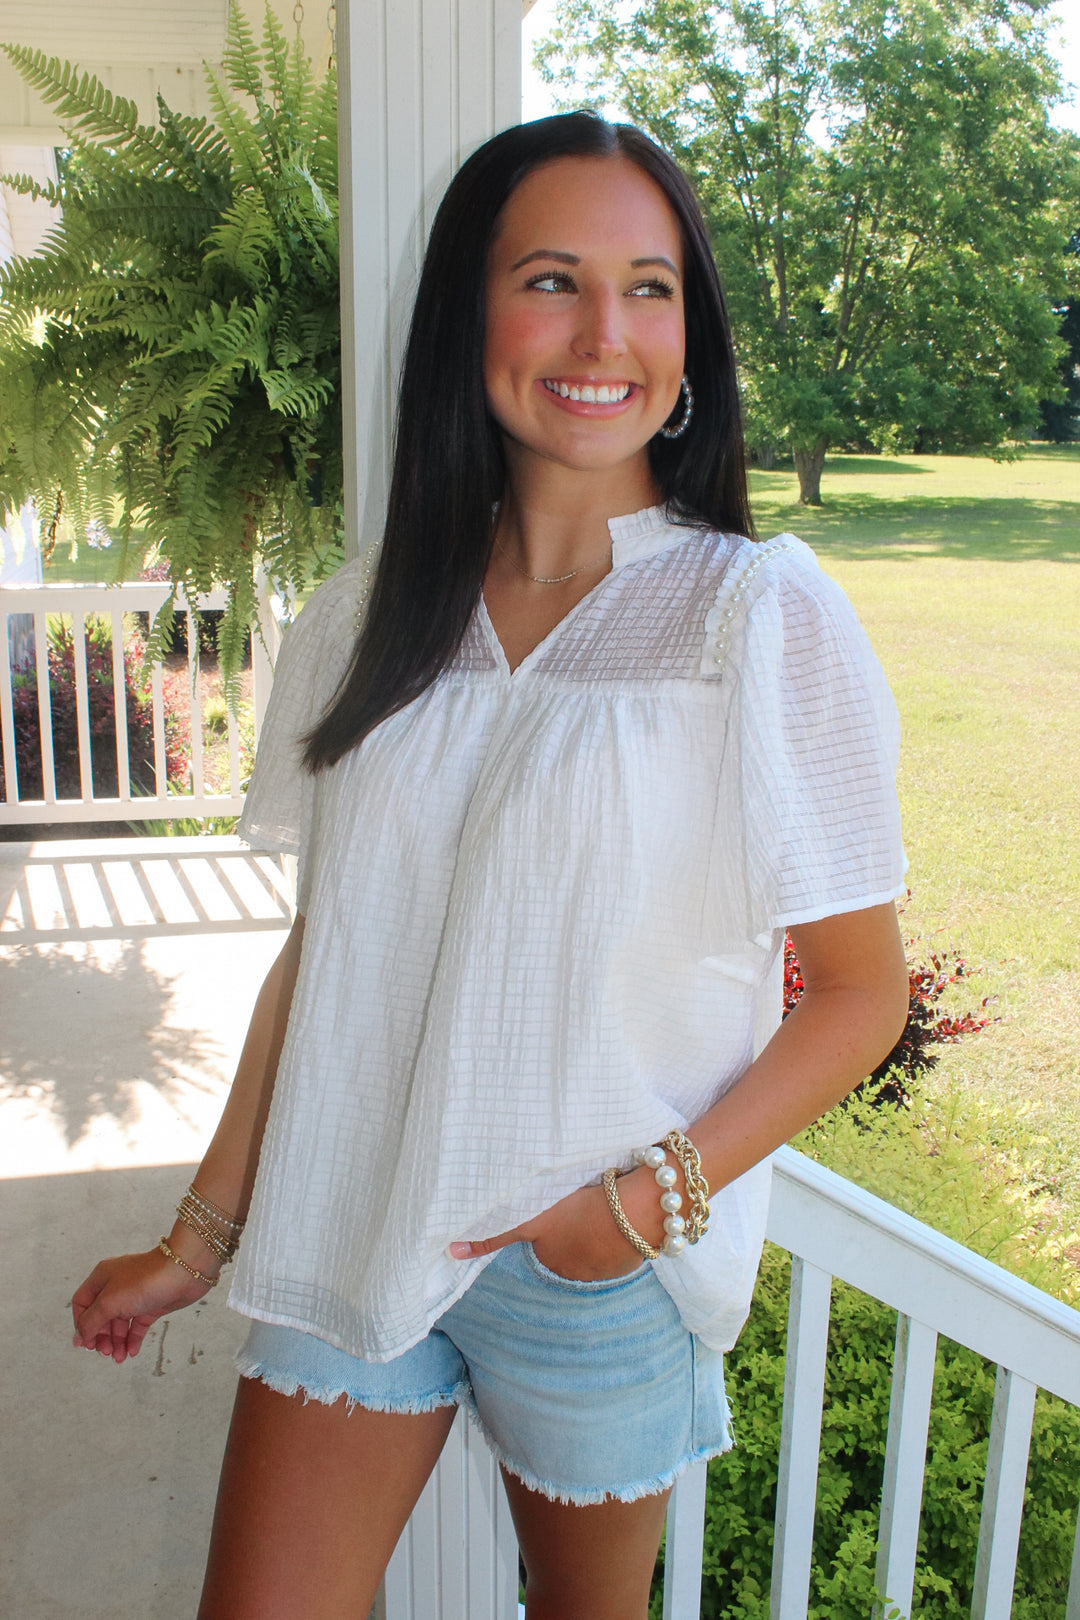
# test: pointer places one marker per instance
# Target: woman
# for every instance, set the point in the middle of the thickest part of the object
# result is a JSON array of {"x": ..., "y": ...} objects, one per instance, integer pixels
[{"x": 595, "y": 748}]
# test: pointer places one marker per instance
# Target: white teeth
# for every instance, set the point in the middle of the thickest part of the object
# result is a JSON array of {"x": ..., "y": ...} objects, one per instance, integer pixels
[{"x": 587, "y": 393}]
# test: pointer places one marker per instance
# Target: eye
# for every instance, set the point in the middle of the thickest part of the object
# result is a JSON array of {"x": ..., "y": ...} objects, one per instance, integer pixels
[
  {"x": 655, "y": 287},
  {"x": 552, "y": 281}
]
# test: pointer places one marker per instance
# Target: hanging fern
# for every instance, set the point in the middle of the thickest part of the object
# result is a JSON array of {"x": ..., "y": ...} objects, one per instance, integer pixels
[{"x": 170, "y": 361}]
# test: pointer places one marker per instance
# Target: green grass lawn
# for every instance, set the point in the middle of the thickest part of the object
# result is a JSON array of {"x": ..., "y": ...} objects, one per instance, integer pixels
[{"x": 966, "y": 575}]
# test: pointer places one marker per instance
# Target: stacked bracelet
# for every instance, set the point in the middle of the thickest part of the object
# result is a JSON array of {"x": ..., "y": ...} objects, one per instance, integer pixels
[
  {"x": 206, "y": 1220},
  {"x": 678, "y": 1230}
]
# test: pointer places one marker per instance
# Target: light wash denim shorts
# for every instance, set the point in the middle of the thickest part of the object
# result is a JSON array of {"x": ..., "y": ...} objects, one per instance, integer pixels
[{"x": 583, "y": 1390}]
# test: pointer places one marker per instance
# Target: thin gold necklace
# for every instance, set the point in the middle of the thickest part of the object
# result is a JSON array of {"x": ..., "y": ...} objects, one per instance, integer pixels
[{"x": 539, "y": 579}]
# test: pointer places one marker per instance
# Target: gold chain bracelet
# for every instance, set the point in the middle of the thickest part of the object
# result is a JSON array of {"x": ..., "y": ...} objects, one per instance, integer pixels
[{"x": 697, "y": 1188}]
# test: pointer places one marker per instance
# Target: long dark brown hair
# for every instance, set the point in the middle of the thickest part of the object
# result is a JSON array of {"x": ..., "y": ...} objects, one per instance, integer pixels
[{"x": 448, "y": 459}]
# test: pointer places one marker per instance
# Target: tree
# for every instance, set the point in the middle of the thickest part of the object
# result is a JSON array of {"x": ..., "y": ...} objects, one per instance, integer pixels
[
  {"x": 1061, "y": 417},
  {"x": 887, "y": 201},
  {"x": 170, "y": 361}
]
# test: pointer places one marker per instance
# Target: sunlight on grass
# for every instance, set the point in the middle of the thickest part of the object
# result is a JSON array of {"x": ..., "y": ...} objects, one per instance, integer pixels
[
  {"x": 966, "y": 577},
  {"x": 918, "y": 506}
]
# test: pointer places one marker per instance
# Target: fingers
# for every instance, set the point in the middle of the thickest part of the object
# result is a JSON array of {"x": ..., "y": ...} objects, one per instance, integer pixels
[
  {"x": 470, "y": 1251},
  {"x": 85, "y": 1295},
  {"x": 138, "y": 1328}
]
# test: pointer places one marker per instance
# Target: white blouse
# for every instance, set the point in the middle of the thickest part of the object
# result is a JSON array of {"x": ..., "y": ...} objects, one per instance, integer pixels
[{"x": 545, "y": 912}]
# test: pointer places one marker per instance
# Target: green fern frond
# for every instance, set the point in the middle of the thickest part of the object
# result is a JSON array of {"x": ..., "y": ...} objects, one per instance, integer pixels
[
  {"x": 276, "y": 49},
  {"x": 84, "y": 101},
  {"x": 244, "y": 239},
  {"x": 239, "y": 131},
  {"x": 242, "y": 58},
  {"x": 159, "y": 639},
  {"x": 242, "y": 610},
  {"x": 293, "y": 395},
  {"x": 195, "y": 142},
  {"x": 24, "y": 185}
]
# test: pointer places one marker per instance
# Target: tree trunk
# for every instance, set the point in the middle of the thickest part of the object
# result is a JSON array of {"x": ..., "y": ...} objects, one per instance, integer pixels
[{"x": 808, "y": 464}]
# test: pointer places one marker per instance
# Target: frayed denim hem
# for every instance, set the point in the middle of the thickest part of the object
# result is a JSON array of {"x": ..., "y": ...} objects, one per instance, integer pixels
[
  {"x": 587, "y": 1495},
  {"x": 326, "y": 1395}
]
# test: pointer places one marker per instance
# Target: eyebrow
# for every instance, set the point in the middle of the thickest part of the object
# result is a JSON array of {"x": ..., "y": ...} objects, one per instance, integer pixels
[{"x": 572, "y": 258}]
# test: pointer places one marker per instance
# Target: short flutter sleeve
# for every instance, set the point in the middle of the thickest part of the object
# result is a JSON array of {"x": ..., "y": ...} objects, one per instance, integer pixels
[
  {"x": 819, "y": 739},
  {"x": 279, "y": 808}
]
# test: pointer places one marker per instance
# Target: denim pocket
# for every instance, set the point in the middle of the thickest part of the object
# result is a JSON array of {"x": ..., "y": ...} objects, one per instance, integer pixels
[{"x": 574, "y": 1285}]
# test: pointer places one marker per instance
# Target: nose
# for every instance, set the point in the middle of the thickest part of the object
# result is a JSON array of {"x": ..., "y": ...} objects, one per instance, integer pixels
[{"x": 600, "y": 331}]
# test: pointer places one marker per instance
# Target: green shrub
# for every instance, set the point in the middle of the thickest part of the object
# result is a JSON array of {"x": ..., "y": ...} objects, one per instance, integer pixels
[{"x": 924, "y": 1162}]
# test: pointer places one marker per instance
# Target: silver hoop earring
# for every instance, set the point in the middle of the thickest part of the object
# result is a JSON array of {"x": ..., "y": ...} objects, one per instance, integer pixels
[{"x": 684, "y": 423}]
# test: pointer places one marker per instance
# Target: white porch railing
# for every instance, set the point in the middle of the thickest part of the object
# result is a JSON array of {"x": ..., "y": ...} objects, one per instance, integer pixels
[
  {"x": 74, "y": 603},
  {"x": 458, "y": 1559}
]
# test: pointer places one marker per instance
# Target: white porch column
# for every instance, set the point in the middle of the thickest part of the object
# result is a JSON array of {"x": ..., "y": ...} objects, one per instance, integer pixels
[{"x": 421, "y": 83}]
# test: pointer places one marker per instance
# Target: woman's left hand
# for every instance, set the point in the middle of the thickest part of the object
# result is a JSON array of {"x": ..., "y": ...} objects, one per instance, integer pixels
[{"x": 577, "y": 1238}]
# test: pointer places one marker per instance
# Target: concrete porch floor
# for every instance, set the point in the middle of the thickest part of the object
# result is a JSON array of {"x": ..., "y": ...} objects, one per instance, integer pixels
[{"x": 128, "y": 969}]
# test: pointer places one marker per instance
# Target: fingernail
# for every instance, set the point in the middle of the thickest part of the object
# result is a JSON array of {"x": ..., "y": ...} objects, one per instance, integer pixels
[{"x": 459, "y": 1251}]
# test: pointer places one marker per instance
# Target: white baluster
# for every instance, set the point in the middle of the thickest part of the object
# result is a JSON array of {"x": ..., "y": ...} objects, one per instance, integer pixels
[
  {"x": 800, "y": 1438},
  {"x": 123, "y": 768},
  {"x": 684, "y": 1545},
  {"x": 157, "y": 691},
  {"x": 1072, "y": 1607},
  {"x": 905, "y": 1460},
  {"x": 41, "y": 659},
  {"x": 195, "y": 700},
  {"x": 82, "y": 705},
  {"x": 1003, "y": 1496},
  {"x": 7, "y": 714}
]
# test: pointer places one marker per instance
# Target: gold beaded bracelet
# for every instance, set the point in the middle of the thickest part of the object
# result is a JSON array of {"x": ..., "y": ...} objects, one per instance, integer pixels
[
  {"x": 207, "y": 1233},
  {"x": 220, "y": 1215},
  {"x": 200, "y": 1276},
  {"x": 618, "y": 1215}
]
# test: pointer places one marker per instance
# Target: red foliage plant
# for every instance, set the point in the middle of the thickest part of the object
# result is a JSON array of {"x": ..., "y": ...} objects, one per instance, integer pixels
[{"x": 927, "y": 1025}]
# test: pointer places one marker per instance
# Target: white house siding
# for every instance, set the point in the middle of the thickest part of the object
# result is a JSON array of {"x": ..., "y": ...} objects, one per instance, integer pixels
[
  {"x": 7, "y": 241},
  {"x": 135, "y": 47},
  {"x": 24, "y": 222}
]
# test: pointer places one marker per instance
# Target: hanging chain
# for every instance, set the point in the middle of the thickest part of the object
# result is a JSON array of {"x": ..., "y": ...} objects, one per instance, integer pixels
[
  {"x": 331, "y": 23},
  {"x": 298, "y": 14}
]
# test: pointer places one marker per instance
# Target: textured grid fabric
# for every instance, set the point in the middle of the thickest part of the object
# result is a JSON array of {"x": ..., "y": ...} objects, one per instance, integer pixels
[{"x": 544, "y": 917}]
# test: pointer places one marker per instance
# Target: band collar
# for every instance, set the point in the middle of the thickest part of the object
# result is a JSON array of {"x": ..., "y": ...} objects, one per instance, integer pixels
[{"x": 643, "y": 534}]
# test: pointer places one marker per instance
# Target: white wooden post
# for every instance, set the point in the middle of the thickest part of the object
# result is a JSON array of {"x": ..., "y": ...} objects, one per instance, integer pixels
[{"x": 421, "y": 84}]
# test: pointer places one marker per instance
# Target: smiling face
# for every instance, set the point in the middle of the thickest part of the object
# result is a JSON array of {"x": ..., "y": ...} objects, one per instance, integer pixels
[{"x": 585, "y": 331}]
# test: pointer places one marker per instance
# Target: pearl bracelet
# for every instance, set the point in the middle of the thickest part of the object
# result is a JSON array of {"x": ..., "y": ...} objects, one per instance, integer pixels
[{"x": 654, "y": 1158}]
